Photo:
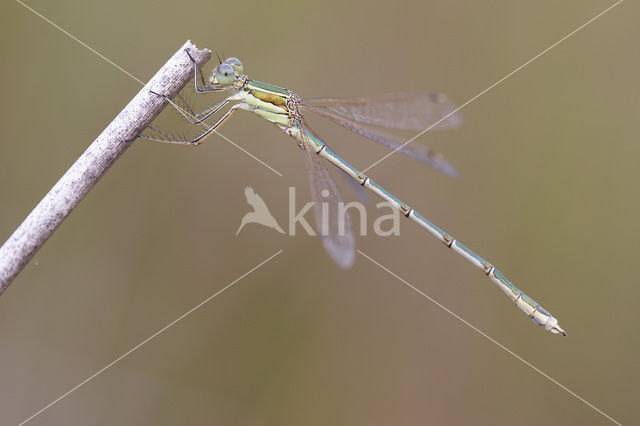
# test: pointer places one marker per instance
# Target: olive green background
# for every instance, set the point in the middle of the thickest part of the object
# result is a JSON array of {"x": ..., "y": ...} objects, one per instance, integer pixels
[{"x": 549, "y": 193}]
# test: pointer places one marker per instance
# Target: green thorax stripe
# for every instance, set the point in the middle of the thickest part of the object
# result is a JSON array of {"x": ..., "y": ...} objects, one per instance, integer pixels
[{"x": 268, "y": 88}]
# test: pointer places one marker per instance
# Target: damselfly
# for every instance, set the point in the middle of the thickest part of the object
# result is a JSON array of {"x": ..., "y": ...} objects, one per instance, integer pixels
[{"x": 405, "y": 111}]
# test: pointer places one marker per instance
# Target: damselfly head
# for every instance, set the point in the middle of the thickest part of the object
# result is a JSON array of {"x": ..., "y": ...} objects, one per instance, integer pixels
[
  {"x": 223, "y": 75},
  {"x": 227, "y": 72},
  {"x": 236, "y": 64}
]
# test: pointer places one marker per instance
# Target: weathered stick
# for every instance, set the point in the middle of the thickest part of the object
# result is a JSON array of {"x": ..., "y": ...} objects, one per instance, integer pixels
[{"x": 94, "y": 162}]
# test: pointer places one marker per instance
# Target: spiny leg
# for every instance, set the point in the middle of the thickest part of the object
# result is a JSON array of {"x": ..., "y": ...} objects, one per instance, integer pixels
[
  {"x": 196, "y": 71},
  {"x": 188, "y": 112},
  {"x": 194, "y": 118},
  {"x": 184, "y": 104},
  {"x": 167, "y": 138},
  {"x": 158, "y": 135}
]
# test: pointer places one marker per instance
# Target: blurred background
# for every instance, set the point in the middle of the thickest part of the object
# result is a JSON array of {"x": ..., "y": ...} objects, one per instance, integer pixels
[{"x": 548, "y": 193}]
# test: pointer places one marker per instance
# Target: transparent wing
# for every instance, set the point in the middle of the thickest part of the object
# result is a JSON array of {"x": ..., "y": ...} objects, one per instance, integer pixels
[
  {"x": 332, "y": 224},
  {"x": 404, "y": 111},
  {"x": 418, "y": 152},
  {"x": 361, "y": 193}
]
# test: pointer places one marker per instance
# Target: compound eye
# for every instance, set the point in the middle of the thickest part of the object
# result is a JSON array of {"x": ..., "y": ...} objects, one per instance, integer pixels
[
  {"x": 224, "y": 75},
  {"x": 236, "y": 64}
]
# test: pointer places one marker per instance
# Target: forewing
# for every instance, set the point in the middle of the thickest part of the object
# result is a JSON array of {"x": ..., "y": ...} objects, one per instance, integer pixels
[
  {"x": 404, "y": 111},
  {"x": 412, "y": 149},
  {"x": 332, "y": 224}
]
